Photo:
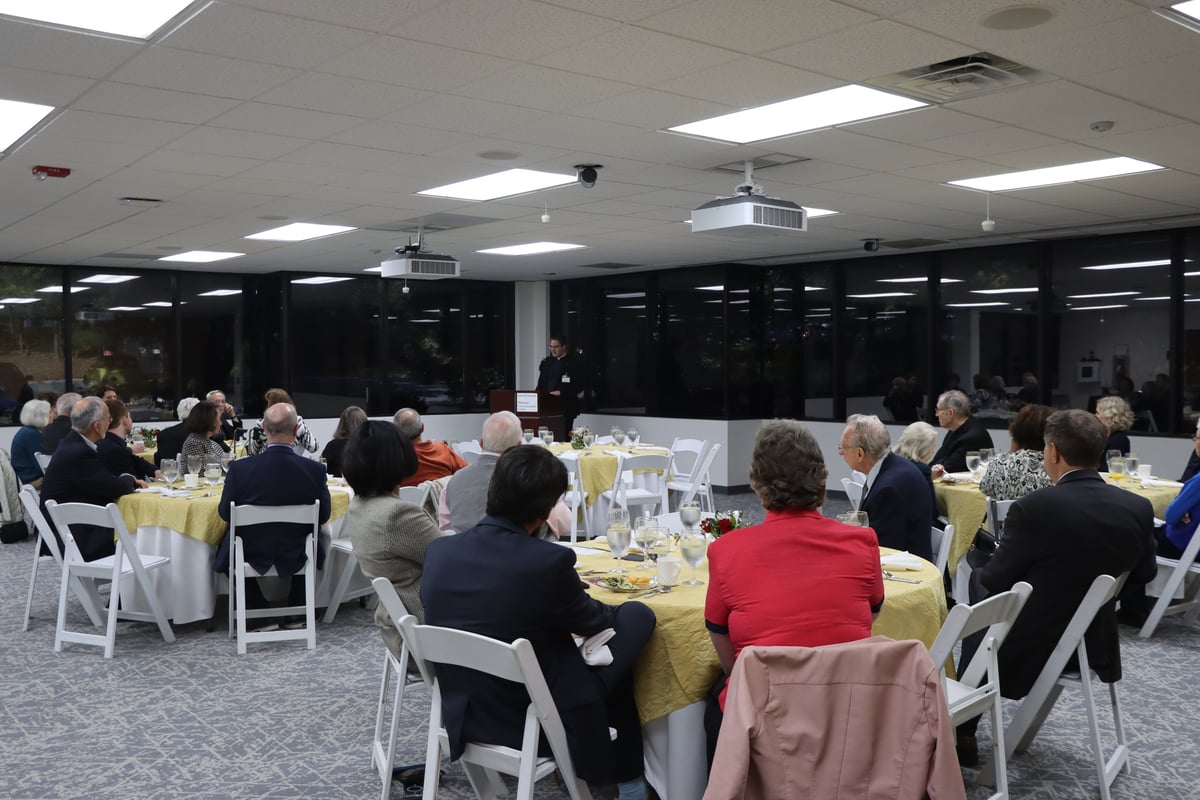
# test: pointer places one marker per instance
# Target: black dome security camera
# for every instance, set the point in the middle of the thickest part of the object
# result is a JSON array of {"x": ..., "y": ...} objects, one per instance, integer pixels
[
  {"x": 870, "y": 245},
  {"x": 586, "y": 174}
]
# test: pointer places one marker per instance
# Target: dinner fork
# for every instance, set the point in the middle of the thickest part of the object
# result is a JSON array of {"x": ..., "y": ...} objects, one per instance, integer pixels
[{"x": 889, "y": 576}]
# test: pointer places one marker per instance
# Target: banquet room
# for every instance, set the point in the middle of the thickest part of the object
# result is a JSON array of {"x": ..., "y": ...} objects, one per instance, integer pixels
[{"x": 394, "y": 205}]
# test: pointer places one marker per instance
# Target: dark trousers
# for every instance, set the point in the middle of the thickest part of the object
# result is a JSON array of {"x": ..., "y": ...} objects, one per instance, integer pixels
[
  {"x": 1134, "y": 605},
  {"x": 256, "y": 599}
]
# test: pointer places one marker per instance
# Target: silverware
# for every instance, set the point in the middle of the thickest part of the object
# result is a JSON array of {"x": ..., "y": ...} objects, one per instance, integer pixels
[
  {"x": 889, "y": 576},
  {"x": 655, "y": 590}
]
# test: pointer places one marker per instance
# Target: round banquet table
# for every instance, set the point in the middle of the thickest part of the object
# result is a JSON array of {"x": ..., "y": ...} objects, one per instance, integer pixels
[
  {"x": 679, "y": 665},
  {"x": 598, "y": 470},
  {"x": 188, "y": 530}
]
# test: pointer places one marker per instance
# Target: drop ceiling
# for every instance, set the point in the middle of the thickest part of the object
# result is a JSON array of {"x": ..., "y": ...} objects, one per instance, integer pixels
[{"x": 260, "y": 112}]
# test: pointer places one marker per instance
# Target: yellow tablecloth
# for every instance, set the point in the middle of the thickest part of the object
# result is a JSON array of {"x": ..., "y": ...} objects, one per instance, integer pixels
[
  {"x": 197, "y": 517},
  {"x": 966, "y": 508},
  {"x": 679, "y": 665},
  {"x": 599, "y": 469}
]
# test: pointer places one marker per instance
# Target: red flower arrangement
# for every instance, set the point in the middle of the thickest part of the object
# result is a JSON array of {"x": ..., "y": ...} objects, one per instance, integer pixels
[{"x": 721, "y": 524}]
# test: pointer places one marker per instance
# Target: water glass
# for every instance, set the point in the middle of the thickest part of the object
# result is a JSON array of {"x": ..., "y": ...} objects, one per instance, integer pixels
[
  {"x": 689, "y": 515},
  {"x": 645, "y": 534},
  {"x": 617, "y": 534},
  {"x": 527, "y": 435},
  {"x": 856, "y": 518},
  {"x": 170, "y": 470},
  {"x": 973, "y": 461},
  {"x": 985, "y": 456},
  {"x": 212, "y": 473},
  {"x": 589, "y": 439},
  {"x": 195, "y": 464},
  {"x": 692, "y": 546},
  {"x": 632, "y": 433},
  {"x": 1131, "y": 464},
  {"x": 324, "y": 465},
  {"x": 1116, "y": 467}
]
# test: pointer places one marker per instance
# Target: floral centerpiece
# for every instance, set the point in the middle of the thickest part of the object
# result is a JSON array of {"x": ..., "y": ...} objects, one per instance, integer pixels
[
  {"x": 149, "y": 436},
  {"x": 721, "y": 524},
  {"x": 577, "y": 438}
]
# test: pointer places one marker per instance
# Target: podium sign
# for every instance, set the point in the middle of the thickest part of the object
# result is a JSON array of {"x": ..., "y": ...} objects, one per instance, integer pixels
[{"x": 534, "y": 409}]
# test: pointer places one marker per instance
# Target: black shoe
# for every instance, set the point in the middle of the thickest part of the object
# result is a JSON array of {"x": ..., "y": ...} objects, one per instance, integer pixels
[
  {"x": 261, "y": 627},
  {"x": 1135, "y": 619},
  {"x": 293, "y": 623},
  {"x": 968, "y": 751}
]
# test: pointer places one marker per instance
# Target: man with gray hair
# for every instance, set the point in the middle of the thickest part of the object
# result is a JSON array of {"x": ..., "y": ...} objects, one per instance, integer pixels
[
  {"x": 60, "y": 426},
  {"x": 434, "y": 459},
  {"x": 231, "y": 423},
  {"x": 77, "y": 475},
  {"x": 464, "y": 501},
  {"x": 170, "y": 440},
  {"x": 966, "y": 433},
  {"x": 896, "y": 496}
]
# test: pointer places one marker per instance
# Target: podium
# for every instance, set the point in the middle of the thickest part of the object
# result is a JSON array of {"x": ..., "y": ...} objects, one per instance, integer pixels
[{"x": 534, "y": 409}]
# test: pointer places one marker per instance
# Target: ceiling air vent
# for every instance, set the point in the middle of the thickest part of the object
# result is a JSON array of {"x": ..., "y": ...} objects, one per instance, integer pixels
[
  {"x": 910, "y": 244},
  {"x": 962, "y": 77}
]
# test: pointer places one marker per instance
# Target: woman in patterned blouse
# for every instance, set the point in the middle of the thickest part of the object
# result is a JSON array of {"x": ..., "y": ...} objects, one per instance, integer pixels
[{"x": 1014, "y": 474}]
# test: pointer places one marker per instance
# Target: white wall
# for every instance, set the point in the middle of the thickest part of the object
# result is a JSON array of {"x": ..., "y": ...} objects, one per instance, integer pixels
[
  {"x": 1144, "y": 332},
  {"x": 531, "y": 318}
]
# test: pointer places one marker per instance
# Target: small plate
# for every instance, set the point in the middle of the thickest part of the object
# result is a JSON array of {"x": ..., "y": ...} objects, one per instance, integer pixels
[{"x": 633, "y": 587}]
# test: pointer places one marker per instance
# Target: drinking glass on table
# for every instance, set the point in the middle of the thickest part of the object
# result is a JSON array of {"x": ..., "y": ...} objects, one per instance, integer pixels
[
  {"x": 195, "y": 464},
  {"x": 973, "y": 460},
  {"x": 1131, "y": 464},
  {"x": 1116, "y": 467},
  {"x": 644, "y": 533},
  {"x": 632, "y": 433},
  {"x": 617, "y": 534},
  {"x": 618, "y": 435},
  {"x": 689, "y": 515},
  {"x": 660, "y": 544},
  {"x": 589, "y": 439},
  {"x": 226, "y": 460},
  {"x": 985, "y": 456},
  {"x": 324, "y": 465},
  {"x": 548, "y": 437},
  {"x": 212, "y": 473},
  {"x": 170, "y": 470},
  {"x": 527, "y": 435},
  {"x": 856, "y": 518},
  {"x": 692, "y": 546}
]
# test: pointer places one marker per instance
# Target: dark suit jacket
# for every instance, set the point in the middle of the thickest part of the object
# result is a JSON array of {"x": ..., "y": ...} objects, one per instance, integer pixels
[
  {"x": 971, "y": 435},
  {"x": 54, "y": 433},
  {"x": 77, "y": 475},
  {"x": 1059, "y": 539},
  {"x": 275, "y": 477},
  {"x": 229, "y": 425},
  {"x": 519, "y": 587},
  {"x": 1117, "y": 440},
  {"x": 898, "y": 507},
  {"x": 117, "y": 456},
  {"x": 170, "y": 442},
  {"x": 561, "y": 375}
]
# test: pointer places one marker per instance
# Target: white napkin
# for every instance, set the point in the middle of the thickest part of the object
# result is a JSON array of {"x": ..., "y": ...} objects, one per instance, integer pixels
[
  {"x": 901, "y": 561},
  {"x": 595, "y": 648},
  {"x": 1158, "y": 482},
  {"x": 570, "y": 454},
  {"x": 176, "y": 493},
  {"x": 150, "y": 490}
]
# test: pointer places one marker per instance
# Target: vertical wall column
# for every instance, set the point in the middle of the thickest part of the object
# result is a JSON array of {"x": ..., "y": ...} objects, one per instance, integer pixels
[{"x": 531, "y": 328}]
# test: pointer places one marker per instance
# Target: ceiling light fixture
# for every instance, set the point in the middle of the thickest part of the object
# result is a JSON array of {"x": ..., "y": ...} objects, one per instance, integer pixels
[
  {"x": 220, "y": 293},
  {"x": 1012, "y": 290},
  {"x": 1100, "y": 294},
  {"x": 300, "y": 232},
  {"x": 58, "y": 289},
  {"x": 159, "y": 304},
  {"x": 881, "y": 294},
  {"x": 509, "y": 183},
  {"x": 1052, "y": 176},
  {"x": 917, "y": 280},
  {"x": 1185, "y": 14},
  {"x": 101, "y": 278},
  {"x": 1097, "y": 308},
  {"x": 531, "y": 249},
  {"x": 1161, "y": 262},
  {"x": 976, "y": 305},
  {"x": 126, "y": 308},
  {"x": 827, "y": 109},
  {"x": 135, "y": 19},
  {"x": 321, "y": 280},
  {"x": 201, "y": 256},
  {"x": 19, "y": 301},
  {"x": 988, "y": 223},
  {"x": 18, "y": 118}
]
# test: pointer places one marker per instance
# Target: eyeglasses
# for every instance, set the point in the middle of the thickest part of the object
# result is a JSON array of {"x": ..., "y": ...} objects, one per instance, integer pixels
[
  {"x": 842, "y": 448},
  {"x": 940, "y": 410}
]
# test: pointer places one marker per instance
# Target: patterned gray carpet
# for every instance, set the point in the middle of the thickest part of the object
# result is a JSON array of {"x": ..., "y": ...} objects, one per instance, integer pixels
[{"x": 194, "y": 720}]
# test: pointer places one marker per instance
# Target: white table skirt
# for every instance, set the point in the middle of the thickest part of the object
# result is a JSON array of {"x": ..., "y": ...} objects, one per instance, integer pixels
[
  {"x": 189, "y": 587},
  {"x": 674, "y": 753}
]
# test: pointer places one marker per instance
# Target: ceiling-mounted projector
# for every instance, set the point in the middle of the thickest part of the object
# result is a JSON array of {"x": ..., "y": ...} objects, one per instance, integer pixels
[
  {"x": 749, "y": 212},
  {"x": 414, "y": 263}
]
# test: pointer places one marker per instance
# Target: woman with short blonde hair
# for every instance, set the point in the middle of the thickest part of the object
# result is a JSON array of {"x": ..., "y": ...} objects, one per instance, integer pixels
[{"x": 1117, "y": 416}]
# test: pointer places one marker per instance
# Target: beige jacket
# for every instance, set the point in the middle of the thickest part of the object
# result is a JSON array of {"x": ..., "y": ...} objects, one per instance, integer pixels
[{"x": 859, "y": 721}]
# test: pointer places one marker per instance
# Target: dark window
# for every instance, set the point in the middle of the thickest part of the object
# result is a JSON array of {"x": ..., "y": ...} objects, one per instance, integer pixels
[{"x": 31, "y": 336}]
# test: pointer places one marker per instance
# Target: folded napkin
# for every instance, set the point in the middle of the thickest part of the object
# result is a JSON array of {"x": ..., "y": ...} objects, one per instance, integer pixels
[
  {"x": 901, "y": 561},
  {"x": 595, "y": 648},
  {"x": 150, "y": 490},
  {"x": 176, "y": 492},
  {"x": 1159, "y": 482},
  {"x": 569, "y": 454}
]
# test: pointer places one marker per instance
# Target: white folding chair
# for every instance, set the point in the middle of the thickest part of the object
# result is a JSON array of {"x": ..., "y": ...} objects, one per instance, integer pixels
[
  {"x": 239, "y": 570},
  {"x": 940, "y": 542},
  {"x": 1050, "y": 682},
  {"x": 124, "y": 563},
  {"x": 687, "y": 453},
  {"x": 383, "y": 750},
  {"x": 624, "y": 495},
  {"x": 997, "y": 512},
  {"x": 514, "y": 662},
  {"x": 43, "y": 460},
  {"x": 854, "y": 492},
  {"x": 576, "y": 497},
  {"x": 978, "y": 688},
  {"x": 698, "y": 483},
  {"x": 1179, "y": 571},
  {"x": 470, "y": 450},
  {"x": 84, "y": 589}
]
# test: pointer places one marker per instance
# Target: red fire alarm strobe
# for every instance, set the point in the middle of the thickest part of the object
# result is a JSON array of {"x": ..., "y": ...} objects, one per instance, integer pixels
[{"x": 41, "y": 172}]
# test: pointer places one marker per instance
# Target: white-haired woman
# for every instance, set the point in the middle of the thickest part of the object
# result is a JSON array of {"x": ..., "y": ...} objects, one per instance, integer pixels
[
  {"x": 918, "y": 443},
  {"x": 35, "y": 415}
]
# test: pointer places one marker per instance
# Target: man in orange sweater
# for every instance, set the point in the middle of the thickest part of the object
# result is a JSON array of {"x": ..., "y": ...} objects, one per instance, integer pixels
[{"x": 434, "y": 459}]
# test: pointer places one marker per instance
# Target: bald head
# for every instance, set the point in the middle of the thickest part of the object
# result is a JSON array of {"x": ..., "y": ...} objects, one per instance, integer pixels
[
  {"x": 409, "y": 423},
  {"x": 279, "y": 423},
  {"x": 501, "y": 431}
]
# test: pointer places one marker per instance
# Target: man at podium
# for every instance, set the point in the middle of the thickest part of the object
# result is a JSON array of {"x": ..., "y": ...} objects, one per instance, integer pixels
[{"x": 558, "y": 376}]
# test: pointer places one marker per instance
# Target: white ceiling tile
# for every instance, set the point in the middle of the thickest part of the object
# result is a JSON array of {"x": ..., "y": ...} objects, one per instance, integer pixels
[
  {"x": 989, "y": 142},
  {"x": 620, "y": 10},
  {"x": 406, "y": 62},
  {"x": 368, "y": 15},
  {"x": 165, "y": 68},
  {"x": 170, "y": 160},
  {"x": 148, "y": 103},
  {"x": 222, "y": 141},
  {"x": 515, "y": 29},
  {"x": 756, "y": 28},
  {"x": 37, "y": 47},
  {"x": 355, "y": 97},
  {"x": 748, "y": 82},
  {"x": 45, "y": 88},
  {"x": 111, "y": 128},
  {"x": 283, "y": 121},
  {"x": 630, "y": 54},
  {"x": 454, "y": 113},
  {"x": 650, "y": 109},
  {"x": 1174, "y": 146},
  {"x": 869, "y": 51},
  {"x": 584, "y": 135},
  {"x": 534, "y": 87},
  {"x": 398, "y": 137},
  {"x": 342, "y": 156},
  {"x": 923, "y": 125}
]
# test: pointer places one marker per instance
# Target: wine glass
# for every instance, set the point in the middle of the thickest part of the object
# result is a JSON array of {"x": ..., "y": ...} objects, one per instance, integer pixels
[
  {"x": 632, "y": 433},
  {"x": 692, "y": 546},
  {"x": 659, "y": 544},
  {"x": 618, "y": 436},
  {"x": 195, "y": 464},
  {"x": 973, "y": 462},
  {"x": 645, "y": 535},
  {"x": 170, "y": 470},
  {"x": 689, "y": 515},
  {"x": 324, "y": 465},
  {"x": 617, "y": 533},
  {"x": 985, "y": 457},
  {"x": 226, "y": 460},
  {"x": 527, "y": 435},
  {"x": 212, "y": 473},
  {"x": 589, "y": 439},
  {"x": 548, "y": 437}
]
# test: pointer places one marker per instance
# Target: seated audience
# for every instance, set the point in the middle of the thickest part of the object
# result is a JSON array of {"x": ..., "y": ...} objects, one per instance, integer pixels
[
  {"x": 966, "y": 433},
  {"x": 464, "y": 501},
  {"x": 1059, "y": 539},
  {"x": 1193, "y": 463},
  {"x": 1029, "y": 392},
  {"x": 230, "y": 422},
  {"x": 60, "y": 426},
  {"x": 278, "y": 477},
  {"x": 1018, "y": 472},
  {"x": 754, "y": 595},
  {"x": 171, "y": 438},
  {"x": 897, "y": 498},
  {"x": 107, "y": 393},
  {"x": 305, "y": 441},
  {"x": 917, "y": 443},
  {"x": 1117, "y": 416},
  {"x": 113, "y": 451},
  {"x": 348, "y": 423},
  {"x": 434, "y": 459},
  {"x": 77, "y": 475},
  {"x": 35, "y": 416},
  {"x": 389, "y": 535},
  {"x": 902, "y": 400},
  {"x": 202, "y": 424},
  {"x": 522, "y": 587},
  {"x": 1182, "y": 518}
]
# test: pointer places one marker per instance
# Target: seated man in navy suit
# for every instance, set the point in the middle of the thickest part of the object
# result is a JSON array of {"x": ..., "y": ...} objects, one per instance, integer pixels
[
  {"x": 113, "y": 451},
  {"x": 275, "y": 477},
  {"x": 499, "y": 580},
  {"x": 897, "y": 498},
  {"x": 77, "y": 475}
]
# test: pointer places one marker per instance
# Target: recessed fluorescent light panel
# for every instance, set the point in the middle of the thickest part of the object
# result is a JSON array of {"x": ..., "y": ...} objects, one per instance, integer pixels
[
  {"x": 1099, "y": 295},
  {"x": 1185, "y": 14},
  {"x": 201, "y": 256},
  {"x": 813, "y": 213},
  {"x": 17, "y": 301},
  {"x": 373, "y": 269},
  {"x": 1097, "y": 308},
  {"x": 126, "y": 308},
  {"x": 916, "y": 280},
  {"x": 101, "y": 278},
  {"x": 158, "y": 304},
  {"x": 1052, "y": 176},
  {"x": 880, "y": 294},
  {"x": 58, "y": 289},
  {"x": 531, "y": 249},
  {"x": 321, "y": 279},
  {"x": 1162, "y": 262},
  {"x": 220, "y": 293},
  {"x": 975, "y": 305},
  {"x": 501, "y": 184},
  {"x": 1011, "y": 290},
  {"x": 300, "y": 232},
  {"x": 799, "y": 115},
  {"x": 17, "y": 119},
  {"x": 137, "y": 19}
]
